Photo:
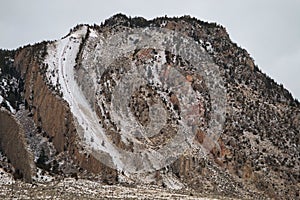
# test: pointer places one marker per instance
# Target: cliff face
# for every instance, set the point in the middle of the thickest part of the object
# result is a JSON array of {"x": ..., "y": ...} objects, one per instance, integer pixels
[
  {"x": 13, "y": 144},
  {"x": 74, "y": 98},
  {"x": 52, "y": 116}
]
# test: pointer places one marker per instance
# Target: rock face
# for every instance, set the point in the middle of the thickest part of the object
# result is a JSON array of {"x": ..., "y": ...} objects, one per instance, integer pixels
[
  {"x": 13, "y": 144},
  {"x": 52, "y": 116},
  {"x": 68, "y": 100}
]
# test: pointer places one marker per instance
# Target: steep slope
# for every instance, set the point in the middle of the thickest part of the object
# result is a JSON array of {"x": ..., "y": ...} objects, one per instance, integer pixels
[{"x": 93, "y": 111}]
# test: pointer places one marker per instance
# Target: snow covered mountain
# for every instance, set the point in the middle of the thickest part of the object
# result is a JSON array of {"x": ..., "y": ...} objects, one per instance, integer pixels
[{"x": 170, "y": 102}]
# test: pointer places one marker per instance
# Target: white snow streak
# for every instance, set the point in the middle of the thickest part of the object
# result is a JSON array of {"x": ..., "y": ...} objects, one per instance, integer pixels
[{"x": 61, "y": 59}]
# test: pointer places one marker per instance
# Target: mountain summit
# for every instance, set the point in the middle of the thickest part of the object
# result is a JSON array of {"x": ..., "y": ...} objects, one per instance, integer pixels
[{"x": 165, "y": 106}]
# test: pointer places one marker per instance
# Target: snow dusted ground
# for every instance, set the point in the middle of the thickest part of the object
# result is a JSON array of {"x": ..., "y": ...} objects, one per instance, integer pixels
[
  {"x": 70, "y": 188},
  {"x": 5, "y": 178}
]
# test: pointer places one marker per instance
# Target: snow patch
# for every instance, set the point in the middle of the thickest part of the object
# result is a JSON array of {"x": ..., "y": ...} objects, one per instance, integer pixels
[
  {"x": 93, "y": 33},
  {"x": 209, "y": 47},
  {"x": 42, "y": 176},
  {"x": 5, "y": 178},
  {"x": 172, "y": 182},
  {"x": 11, "y": 109}
]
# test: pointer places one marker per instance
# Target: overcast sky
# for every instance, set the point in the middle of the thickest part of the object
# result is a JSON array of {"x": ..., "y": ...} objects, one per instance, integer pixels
[{"x": 268, "y": 29}]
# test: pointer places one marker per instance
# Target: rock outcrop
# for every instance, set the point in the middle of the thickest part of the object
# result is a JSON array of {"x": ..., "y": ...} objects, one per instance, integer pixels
[
  {"x": 256, "y": 156},
  {"x": 14, "y": 146},
  {"x": 52, "y": 115}
]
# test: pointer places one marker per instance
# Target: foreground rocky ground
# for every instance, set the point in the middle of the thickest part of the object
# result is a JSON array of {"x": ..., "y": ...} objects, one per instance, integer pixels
[{"x": 84, "y": 189}]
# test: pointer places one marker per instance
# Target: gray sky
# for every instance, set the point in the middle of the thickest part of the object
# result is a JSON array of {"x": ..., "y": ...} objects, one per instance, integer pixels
[{"x": 268, "y": 29}]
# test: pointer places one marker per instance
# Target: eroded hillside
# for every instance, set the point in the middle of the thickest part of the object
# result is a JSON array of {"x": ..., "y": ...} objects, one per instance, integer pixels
[{"x": 87, "y": 112}]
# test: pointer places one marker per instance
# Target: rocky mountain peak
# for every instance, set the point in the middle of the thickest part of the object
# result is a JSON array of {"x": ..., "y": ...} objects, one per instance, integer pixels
[{"x": 133, "y": 102}]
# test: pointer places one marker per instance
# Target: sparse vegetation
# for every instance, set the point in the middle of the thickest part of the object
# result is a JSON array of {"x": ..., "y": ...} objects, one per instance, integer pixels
[{"x": 256, "y": 153}]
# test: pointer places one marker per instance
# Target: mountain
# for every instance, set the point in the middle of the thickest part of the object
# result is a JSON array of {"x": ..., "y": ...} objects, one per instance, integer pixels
[{"x": 170, "y": 104}]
